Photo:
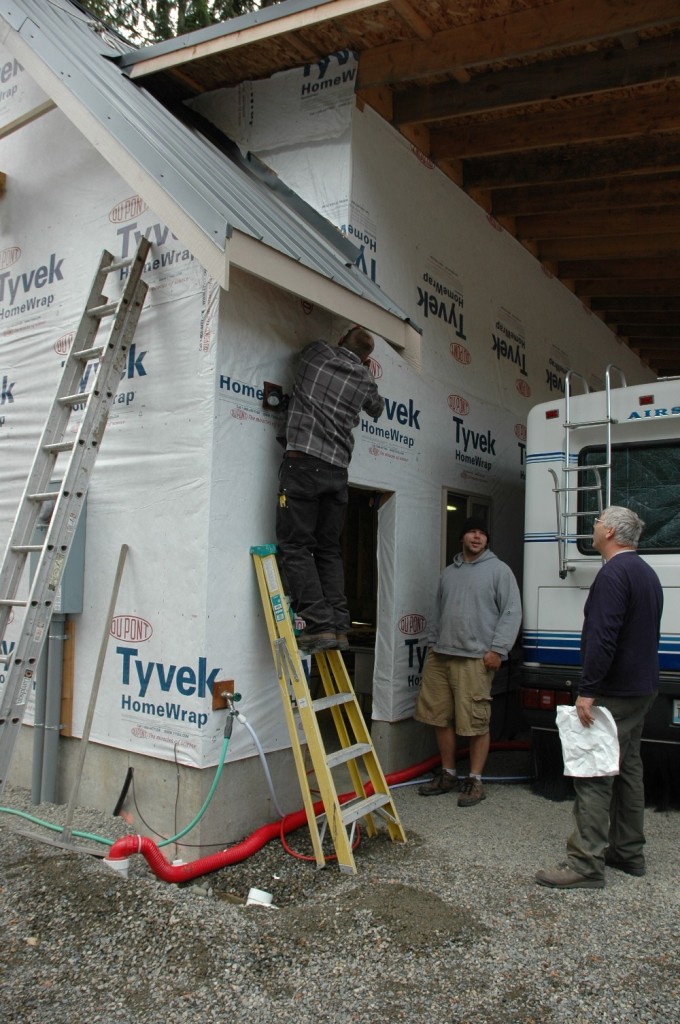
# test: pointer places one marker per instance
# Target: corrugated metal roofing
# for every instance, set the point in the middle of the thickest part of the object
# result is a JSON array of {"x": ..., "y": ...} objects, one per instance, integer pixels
[{"x": 216, "y": 194}]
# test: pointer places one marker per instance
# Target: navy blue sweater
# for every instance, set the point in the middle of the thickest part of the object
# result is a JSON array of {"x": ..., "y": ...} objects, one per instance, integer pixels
[{"x": 620, "y": 638}]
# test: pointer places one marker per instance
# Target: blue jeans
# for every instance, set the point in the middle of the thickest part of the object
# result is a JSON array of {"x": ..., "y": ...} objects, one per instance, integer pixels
[{"x": 309, "y": 519}]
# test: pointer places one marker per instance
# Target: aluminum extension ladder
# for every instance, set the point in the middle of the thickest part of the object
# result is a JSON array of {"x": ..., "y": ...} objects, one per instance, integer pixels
[
  {"x": 22, "y": 662},
  {"x": 368, "y": 800}
]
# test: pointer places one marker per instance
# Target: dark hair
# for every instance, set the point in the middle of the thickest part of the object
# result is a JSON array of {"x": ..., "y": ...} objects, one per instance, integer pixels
[{"x": 359, "y": 341}]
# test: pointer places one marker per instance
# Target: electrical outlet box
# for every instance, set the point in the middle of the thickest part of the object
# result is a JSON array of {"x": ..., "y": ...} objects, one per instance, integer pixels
[
  {"x": 221, "y": 689},
  {"x": 274, "y": 398}
]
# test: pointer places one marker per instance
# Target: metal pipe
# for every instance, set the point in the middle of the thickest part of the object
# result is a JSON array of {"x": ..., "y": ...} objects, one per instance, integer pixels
[
  {"x": 55, "y": 660},
  {"x": 40, "y": 701}
]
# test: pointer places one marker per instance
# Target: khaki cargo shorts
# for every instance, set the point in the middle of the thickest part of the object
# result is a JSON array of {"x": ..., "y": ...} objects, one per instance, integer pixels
[{"x": 455, "y": 692}]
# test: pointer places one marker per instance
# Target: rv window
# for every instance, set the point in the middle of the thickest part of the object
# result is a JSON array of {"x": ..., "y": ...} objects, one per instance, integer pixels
[{"x": 646, "y": 478}]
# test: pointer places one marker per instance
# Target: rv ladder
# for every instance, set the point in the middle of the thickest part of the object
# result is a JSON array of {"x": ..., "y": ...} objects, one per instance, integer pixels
[
  {"x": 62, "y": 502},
  {"x": 587, "y": 477},
  {"x": 355, "y": 751}
]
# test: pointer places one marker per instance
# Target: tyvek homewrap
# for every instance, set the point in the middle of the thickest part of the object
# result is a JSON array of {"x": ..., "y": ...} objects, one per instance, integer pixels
[
  {"x": 188, "y": 468},
  {"x": 496, "y": 326},
  {"x": 150, "y": 486}
]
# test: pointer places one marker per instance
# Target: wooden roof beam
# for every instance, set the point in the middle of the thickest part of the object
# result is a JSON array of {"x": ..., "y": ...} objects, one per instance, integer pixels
[
  {"x": 608, "y": 118},
  {"x": 655, "y": 246},
  {"x": 526, "y": 32},
  {"x": 576, "y": 163},
  {"x": 610, "y": 270},
  {"x": 420, "y": 27},
  {"x": 627, "y": 287},
  {"x": 576, "y": 197},
  {"x": 662, "y": 220},
  {"x": 651, "y": 332},
  {"x": 629, "y": 304},
  {"x": 644, "y": 319},
  {"x": 581, "y": 75},
  {"x": 662, "y": 351}
]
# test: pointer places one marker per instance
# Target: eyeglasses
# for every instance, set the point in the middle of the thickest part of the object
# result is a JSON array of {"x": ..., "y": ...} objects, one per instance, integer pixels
[{"x": 599, "y": 521}]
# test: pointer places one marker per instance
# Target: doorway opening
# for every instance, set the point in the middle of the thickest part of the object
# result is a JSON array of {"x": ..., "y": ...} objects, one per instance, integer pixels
[{"x": 359, "y": 545}]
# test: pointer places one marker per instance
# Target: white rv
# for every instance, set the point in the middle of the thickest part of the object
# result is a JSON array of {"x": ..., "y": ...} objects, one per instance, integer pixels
[{"x": 621, "y": 446}]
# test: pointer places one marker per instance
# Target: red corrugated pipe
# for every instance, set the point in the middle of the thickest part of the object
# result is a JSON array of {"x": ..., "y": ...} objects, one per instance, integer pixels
[{"x": 123, "y": 848}]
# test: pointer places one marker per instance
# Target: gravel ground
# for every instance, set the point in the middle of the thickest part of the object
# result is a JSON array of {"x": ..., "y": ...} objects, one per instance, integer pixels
[{"x": 448, "y": 928}]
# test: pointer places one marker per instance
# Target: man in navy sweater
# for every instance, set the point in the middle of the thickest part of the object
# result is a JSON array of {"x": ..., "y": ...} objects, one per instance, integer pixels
[{"x": 619, "y": 655}]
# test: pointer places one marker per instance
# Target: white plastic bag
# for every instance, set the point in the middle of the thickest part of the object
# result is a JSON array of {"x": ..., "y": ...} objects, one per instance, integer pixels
[{"x": 588, "y": 751}]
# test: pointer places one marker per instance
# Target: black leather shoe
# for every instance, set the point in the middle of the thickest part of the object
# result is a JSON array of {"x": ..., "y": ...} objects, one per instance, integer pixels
[{"x": 638, "y": 870}]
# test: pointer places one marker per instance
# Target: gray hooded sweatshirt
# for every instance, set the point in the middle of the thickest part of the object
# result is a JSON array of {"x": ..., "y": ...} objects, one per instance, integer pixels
[{"x": 478, "y": 609}]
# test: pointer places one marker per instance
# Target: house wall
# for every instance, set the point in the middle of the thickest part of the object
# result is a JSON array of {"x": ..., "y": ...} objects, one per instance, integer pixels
[
  {"x": 151, "y": 489},
  {"x": 187, "y": 471},
  {"x": 499, "y": 333}
]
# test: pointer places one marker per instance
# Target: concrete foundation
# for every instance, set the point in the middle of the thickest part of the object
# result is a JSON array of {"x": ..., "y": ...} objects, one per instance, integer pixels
[{"x": 164, "y": 797}]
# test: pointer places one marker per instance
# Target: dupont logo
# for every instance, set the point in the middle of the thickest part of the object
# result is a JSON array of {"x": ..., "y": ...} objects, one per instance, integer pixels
[
  {"x": 375, "y": 369},
  {"x": 459, "y": 404},
  {"x": 494, "y": 223},
  {"x": 63, "y": 344},
  {"x": 523, "y": 388},
  {"x": 307, "y": 307},
  {"x": 520, "y": 431},
  {"x": 460, "y": 353},
  {"x": 412, "y": 624},
  {"x": 9, "y": 256},
  {"x": 130, "y": 627},
  {"x": 127, "y": 209},
  {"x": 425, "y": 161}
]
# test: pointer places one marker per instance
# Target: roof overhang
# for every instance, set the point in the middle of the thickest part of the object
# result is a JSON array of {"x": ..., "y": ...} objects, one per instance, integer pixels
[{"x": 228, "y": 246}]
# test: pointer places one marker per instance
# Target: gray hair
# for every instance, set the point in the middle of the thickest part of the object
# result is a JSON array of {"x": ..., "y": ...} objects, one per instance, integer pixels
[{"x": 625, "y": 523}]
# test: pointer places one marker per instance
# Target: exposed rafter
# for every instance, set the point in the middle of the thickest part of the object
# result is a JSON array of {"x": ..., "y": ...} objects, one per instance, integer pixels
[{"x": 561, "y": 118}]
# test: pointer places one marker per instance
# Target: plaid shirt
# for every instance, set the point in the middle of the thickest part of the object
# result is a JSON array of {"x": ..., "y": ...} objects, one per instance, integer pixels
[{"x": 331, "y": 387}]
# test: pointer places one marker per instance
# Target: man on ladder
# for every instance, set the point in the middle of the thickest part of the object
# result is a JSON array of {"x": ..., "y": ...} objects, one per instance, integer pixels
[{"x": 332, "y": 386}]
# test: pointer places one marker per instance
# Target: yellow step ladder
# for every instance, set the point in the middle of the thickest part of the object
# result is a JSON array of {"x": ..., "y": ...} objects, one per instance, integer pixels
[{"x": 368, "y": 799}]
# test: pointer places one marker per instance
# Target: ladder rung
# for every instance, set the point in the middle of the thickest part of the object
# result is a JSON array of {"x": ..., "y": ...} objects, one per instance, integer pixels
[
  {"x": 10, "y": 602},
  {"x": 356, "y": 809},
  {"x": 43, "y": 496},
  {"x": 321, "y": 703},
  {"x": 119, "y": 265},
  {"x": 58, "y": 446},
  {"x": 348, "y": 754},
  {"x": 585, "y": 469},
  {"x": 25, "y": 549},
  {"x": 101, "y": 311},
  {"x": 80, "y": 396},
  {"x": 576, "y": 490},
  {"x": 86, "y": 354}
]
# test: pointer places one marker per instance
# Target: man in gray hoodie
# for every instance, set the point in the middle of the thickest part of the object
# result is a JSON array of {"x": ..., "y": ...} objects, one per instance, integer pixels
[{"x": 477, "y": 619}]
